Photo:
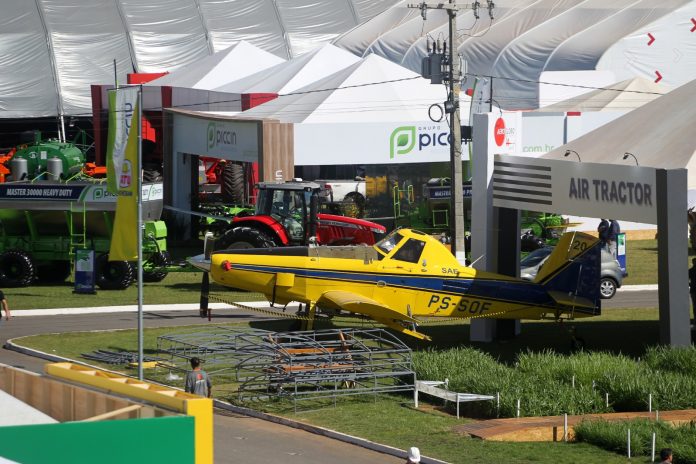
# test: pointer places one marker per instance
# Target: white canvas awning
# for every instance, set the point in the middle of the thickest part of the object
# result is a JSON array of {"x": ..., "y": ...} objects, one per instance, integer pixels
[
  {"x": 371, "y": 90},
  {"x": 295, "y": 73},
  {"x": 236, "y": 62},
  {"x": 660, "y": 134},
  {"x": 626, "y": 95}
]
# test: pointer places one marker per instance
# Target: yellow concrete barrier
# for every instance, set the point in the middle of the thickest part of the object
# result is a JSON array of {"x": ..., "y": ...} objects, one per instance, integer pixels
[{"x": 187, "y": 403}]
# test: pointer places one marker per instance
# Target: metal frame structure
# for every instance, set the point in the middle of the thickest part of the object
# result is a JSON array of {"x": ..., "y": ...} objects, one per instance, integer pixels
[{"x": 303, "y": 365}]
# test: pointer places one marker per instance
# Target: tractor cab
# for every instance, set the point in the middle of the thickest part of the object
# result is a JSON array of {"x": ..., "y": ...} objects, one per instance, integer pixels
[
  {"x": 287, "y": 214},
  {"x": 290, "y": 205}
]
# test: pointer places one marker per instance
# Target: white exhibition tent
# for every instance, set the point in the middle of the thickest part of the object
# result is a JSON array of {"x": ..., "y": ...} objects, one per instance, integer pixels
[
  {"x": 626, "y": 95},
  {"x": 51, "y": 51},
  {"x": 660, "y": 134},
  {"x": 373, "y": 89},
  {"x": 529, "y": 37},
  {"x": 235, "y": 62},
  {"x": 293, "y": 74}
]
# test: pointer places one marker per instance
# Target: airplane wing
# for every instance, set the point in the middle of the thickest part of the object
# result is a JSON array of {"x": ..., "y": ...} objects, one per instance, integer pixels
[
  {"x": 200, "y": 262},
  {"x": 362, "y": 305}
]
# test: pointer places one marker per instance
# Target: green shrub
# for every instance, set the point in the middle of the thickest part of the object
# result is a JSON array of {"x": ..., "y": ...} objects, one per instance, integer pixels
[
  {"x": 613, "y": 436},
  {"x": 543, "y": 381},
  {"x": 678, "y": 360}
]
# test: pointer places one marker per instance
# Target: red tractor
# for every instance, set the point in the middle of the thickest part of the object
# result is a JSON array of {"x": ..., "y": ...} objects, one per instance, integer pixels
[{"x": 287, "y": 214}]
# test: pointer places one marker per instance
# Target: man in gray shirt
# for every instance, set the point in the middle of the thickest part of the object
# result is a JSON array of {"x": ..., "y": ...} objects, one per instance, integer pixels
[{"x": 197, "y": 380}]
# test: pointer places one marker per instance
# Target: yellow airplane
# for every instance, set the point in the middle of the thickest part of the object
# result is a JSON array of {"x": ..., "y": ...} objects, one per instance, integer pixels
[{"x": 410, "y": 275}]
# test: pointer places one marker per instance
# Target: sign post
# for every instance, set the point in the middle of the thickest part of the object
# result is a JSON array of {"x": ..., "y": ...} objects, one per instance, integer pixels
[{"x": 84, "y": 271}]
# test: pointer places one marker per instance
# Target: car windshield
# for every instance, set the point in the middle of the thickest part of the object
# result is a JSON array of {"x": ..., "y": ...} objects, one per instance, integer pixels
[
  {"x": 535, "y": 257},
  {"x": 388, "y": 243}
]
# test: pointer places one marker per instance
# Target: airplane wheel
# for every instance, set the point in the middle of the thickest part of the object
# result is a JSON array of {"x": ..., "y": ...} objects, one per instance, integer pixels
[
  {"x": 16, "y": 269},
  {"x": 113, "y": 275},
  {"x": 240, "y": 238},
  {"x": 161, "y": 258}
]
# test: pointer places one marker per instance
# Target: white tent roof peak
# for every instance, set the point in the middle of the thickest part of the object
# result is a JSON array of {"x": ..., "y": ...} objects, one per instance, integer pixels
[
  {"x": 626, "y": 95},
  {"x": 659, "y": 134},
  {"x": 235, "y": 62},
  {"x": 295, "y": 73},
  {"x": 373, "y": 89}
]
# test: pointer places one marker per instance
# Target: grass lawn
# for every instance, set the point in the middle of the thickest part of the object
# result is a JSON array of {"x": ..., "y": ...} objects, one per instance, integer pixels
[
  {"x": 641, "y": 262},
  {"x": 177, "y": 287},
  {"x": 391, "y": 419}
]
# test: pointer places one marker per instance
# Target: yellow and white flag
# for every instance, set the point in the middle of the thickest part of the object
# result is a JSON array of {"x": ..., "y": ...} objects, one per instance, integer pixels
[
  {"x": 122, "y": 113},
  {"x": 124, "y": 239}
]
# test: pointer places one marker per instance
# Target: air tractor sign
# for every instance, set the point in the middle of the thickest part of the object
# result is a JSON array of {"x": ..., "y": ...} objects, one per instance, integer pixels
[{"x": 581, "y": 189}]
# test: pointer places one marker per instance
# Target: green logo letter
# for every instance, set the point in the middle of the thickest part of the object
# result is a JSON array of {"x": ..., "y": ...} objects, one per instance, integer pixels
[
  {"x": 402, "y": 140},
  {"x": 211, "y": 135}
]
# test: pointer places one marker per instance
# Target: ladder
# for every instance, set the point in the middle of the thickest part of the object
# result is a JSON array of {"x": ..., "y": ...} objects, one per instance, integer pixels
[{"x": 78, "y": 237}]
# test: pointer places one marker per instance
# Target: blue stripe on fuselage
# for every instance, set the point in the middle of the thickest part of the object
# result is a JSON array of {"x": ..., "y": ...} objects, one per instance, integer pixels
[{"x": 514, "y": 291}]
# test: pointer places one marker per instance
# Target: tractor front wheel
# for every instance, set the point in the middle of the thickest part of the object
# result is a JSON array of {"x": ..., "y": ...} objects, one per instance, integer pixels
[
  {"x": 113, "y": 275},
  {"x": 240, "y": 238},
  {"x": 16, "y": 269},
  {"x": 157, "y": 261}
]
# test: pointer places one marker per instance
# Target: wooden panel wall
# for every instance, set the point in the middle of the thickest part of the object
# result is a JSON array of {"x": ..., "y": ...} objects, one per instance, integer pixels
[
  {"x": 277, "y": 151},
  {"x": 65, "y": 402}
]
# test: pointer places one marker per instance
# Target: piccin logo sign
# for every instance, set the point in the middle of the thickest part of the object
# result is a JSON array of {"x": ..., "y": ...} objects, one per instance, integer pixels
[
  {"x": 403, "y": 139},
  {"x": 217, "y": 136}
]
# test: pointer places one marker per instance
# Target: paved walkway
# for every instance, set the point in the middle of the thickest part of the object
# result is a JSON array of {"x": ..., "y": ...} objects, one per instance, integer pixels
[{"x": 550, "y": 428}]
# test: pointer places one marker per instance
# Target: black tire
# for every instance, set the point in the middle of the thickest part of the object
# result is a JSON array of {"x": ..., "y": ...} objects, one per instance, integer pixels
[
  {"x": 113, "y": 275},
  {"x": 54, "y": 272},
  {"x": 240, "y": 238},
  {"x": 16, "y": 269},
  {"x": 233, "y": 183},
  {"x": 158, "y": 259},
  {"x": 354, "y": 205},
  {"x": 607, "y": 288}
]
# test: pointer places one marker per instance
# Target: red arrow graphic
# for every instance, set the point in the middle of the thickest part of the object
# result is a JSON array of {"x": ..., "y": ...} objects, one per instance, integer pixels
[
  {"x": 652, "y": 39},
  {"x": 659, "y": 76},
  {"x": 693, "y": 21}
]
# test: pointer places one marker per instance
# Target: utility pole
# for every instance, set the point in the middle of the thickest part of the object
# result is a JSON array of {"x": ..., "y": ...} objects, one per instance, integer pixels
[{"x": 453, "y": 75}]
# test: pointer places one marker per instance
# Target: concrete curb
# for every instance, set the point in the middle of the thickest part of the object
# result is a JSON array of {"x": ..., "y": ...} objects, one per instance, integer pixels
[
  {"x": 133, "y": 309},
  {"x": 10, "y": 345},
  {"x": 371, "y": 445},
  {"x": 638, "y": 288}
]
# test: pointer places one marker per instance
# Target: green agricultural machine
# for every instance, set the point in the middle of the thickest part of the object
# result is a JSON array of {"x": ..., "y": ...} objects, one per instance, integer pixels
[
  {"x": 42, "y": 223},
  {"x": 52, "y": 203}
]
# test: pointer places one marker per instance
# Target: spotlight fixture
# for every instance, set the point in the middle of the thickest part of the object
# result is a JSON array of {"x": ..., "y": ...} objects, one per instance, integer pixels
[
  {"x": 568, "y": 152},
  {"x": 627, "y": 154}
]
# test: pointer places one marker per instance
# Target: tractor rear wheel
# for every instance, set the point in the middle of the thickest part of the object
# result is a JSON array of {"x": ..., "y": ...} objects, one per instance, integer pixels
[
  {"x": 233, "y": 183},
  {"x": 113, "y": 275},
  {"x": 240, "y": 238},
  {"x": 157, "y": 260},
  {"x": 16, "y": 269}
]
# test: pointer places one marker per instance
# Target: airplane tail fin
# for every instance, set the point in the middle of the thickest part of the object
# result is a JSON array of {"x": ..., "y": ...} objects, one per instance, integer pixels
[{"x": 571, "y": 274}]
